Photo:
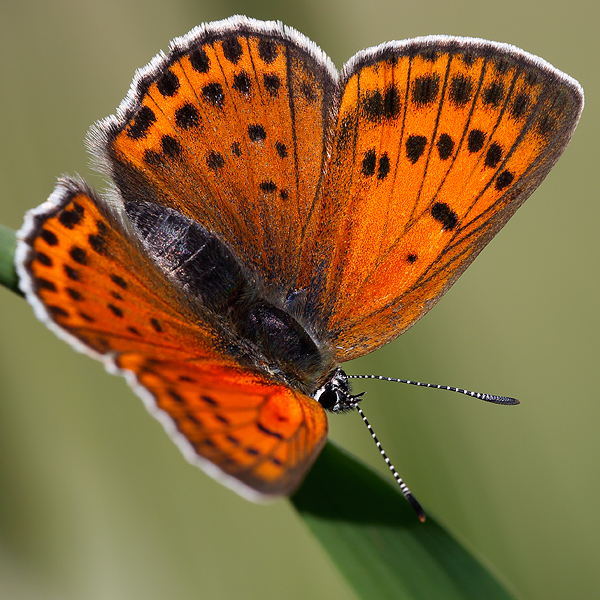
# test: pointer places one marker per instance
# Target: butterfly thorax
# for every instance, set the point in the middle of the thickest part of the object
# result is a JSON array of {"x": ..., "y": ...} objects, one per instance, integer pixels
[{"x": 261, "y": 333}]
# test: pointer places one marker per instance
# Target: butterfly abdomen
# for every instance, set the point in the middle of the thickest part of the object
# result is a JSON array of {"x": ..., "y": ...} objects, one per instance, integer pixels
[{"x": 190, "y": 255}]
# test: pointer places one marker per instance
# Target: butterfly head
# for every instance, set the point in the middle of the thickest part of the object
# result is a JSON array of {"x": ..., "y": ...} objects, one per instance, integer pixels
[{"x": 336, "y": 395}]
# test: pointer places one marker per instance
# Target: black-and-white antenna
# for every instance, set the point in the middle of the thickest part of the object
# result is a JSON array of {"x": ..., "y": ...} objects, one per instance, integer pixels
[
  {"x": 403, "y": 487},
  {"x": 485, "y": 397},
  {"x": 335, "y": 396}
]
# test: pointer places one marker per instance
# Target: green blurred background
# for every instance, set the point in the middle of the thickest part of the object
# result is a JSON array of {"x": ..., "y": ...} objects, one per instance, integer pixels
[{"x": 97, "y": 503}]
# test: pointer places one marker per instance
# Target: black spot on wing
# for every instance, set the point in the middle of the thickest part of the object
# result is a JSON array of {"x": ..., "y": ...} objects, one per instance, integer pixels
[
  {"x": 267, "y": 50},
  {"x": 519, "y": 105},
  {"x": 200, "y": 61},
  {"x": 272, "y": 84},
  {"x": 232, "y": 49},
  {"x": 256, "y": 133},
  {"x": 425, "y": 89},
  {"x": 43, "y": 259},
  {"x": 72, "y": 216},
  {"x": 376, "y": 106},
  {"x": 268, "y": 186},
  {"x": 415, "y": 146},
  {"x": 119, "y": 281},
  {"x": 384, "y": 166},
  {"x": 441, "y": 212},
  {"x": 493, "y": 155},
  {"x": 213, "y": 94},
  {"x": 74, "y": 294},
  {"x": 493, "y": 94},
  {"x": 168, "y": 84},
  {"x": 281, "y": 149},
  {"x": 71, "y": 273},
  {"x": 142, "y": 121},
  {"x": 49, "y": 237},
  {"x": 215, "y": 161},
  {"x": 445, "y": 146},
  {"x": 115, "y": 310},
  {"x": 170, "y": 146},
  {"x": 461, "y": 88},
  {"x": 475, "y": 140},
  {"x": 242, "y": 83},
  {"x": 504, "y": 180},
  {"x": 369, "y": 163},
  {"x": 78, "y": 255},
  {"x": 44, "y": 284},
  {"x": 187, "y": 116}
]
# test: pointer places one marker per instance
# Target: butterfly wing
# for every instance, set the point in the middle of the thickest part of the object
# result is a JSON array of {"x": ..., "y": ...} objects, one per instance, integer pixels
[
  {"x": 89, "y": 280},
  {"x": 235, "y": 424},
  {"x": 229, "y": 129},
  {"x": 438, "y": 141}
]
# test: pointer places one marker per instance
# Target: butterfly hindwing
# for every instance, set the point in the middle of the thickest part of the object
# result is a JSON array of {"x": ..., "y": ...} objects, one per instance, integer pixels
[
  {"x": 92, "y": 283},
  {"x": 262, "y": 437}
]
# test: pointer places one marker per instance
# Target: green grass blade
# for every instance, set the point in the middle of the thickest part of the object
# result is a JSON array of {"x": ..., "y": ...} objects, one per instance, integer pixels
[
  {"x": 8, "y": 275},
  {"x": 377, "y": 541}
]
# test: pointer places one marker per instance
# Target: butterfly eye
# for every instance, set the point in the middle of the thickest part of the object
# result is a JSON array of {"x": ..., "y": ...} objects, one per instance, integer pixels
[{"x": 327, "y": 399}]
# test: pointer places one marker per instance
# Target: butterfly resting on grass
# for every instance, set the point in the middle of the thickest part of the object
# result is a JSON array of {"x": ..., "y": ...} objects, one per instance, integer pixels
[{"x": 269, "y": 218}]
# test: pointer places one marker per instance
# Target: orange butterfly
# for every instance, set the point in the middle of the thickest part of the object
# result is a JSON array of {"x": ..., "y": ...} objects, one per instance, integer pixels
[{"x": 270, "y": 218}]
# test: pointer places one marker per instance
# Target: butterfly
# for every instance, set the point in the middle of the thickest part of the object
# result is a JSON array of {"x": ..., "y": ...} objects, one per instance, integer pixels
[{"x": 269, "y": 218}]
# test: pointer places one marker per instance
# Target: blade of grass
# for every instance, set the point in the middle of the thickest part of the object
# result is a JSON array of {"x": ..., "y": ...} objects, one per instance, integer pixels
[
  {"x": 8, "y": 275},
  {"x": 377, "y": 542}
]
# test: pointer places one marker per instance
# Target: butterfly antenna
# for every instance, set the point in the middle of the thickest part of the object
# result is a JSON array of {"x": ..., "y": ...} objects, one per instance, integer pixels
[
  {"x": 403, "y": 487},
  {"x": 485, "y": 397}
]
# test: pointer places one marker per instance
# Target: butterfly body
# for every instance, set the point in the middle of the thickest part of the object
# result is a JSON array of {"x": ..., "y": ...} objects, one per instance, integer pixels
[
  {"x": 256, "y": 326},
  {"x": 270, "y": 218}
]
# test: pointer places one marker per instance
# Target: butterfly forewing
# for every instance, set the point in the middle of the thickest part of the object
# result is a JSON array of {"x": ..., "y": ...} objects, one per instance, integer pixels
[
  {"x": 231, "y": 132},
  {"x": 437, "y": 143}
]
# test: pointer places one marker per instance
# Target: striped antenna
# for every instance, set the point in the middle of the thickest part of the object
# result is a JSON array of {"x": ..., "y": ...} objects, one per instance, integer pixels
[
  {"x": 485, "y": 397},
  {"x": 403, "y": 487}
]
